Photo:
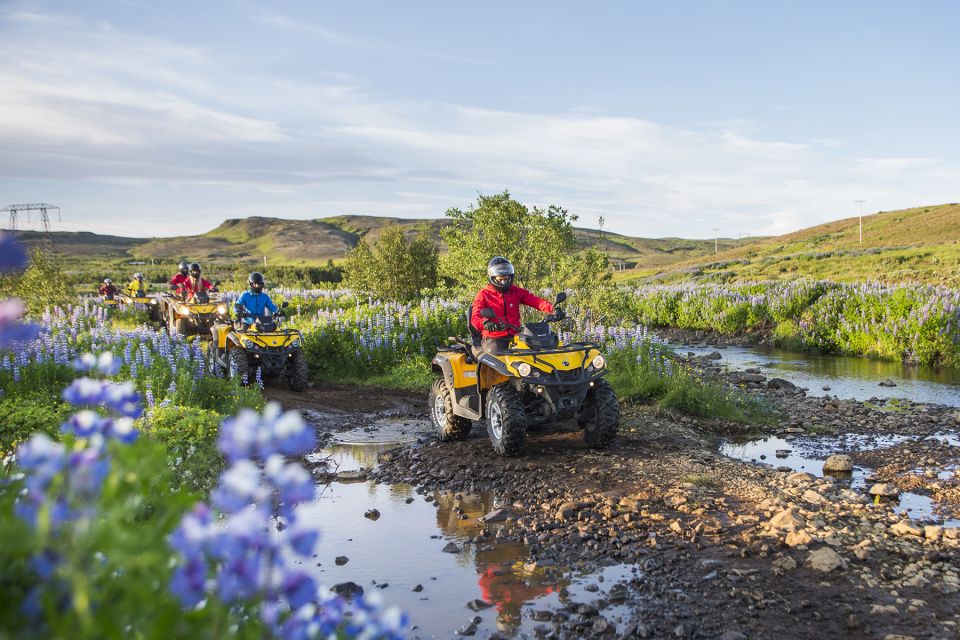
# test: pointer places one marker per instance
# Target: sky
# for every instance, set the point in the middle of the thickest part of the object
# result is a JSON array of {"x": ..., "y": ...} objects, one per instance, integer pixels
[{"x": 682, "y": 118}]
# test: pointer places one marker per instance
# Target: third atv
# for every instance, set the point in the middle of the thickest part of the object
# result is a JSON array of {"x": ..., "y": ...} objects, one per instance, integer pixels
[
  {"x": 241, "y": 349},
  {"x": 536, "y": 381}
]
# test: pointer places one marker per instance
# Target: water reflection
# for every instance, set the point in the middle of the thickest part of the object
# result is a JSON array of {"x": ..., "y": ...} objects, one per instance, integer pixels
[
  {"x": 505, "y": 578},
  {"x": 846, "y": 376}
]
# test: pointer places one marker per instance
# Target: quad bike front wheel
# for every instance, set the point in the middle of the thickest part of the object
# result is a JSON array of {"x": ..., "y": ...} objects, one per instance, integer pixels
[
  {"x": 448, "y": 425},
  {"x": 506, "y": 423},
  {"x": 298, "y": 378},
  {"x": 241, "y": 366},
  {"x": 600, "y": 415}
]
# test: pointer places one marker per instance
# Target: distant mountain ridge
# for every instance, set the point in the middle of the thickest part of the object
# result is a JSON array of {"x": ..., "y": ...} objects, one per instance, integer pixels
[{"x": 313, "y": 242}]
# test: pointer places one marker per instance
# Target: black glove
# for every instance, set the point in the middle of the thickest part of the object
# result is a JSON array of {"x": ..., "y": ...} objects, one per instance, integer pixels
[
  {"x": 490, "y": 325},
  {"x": 558, "y": 314}
]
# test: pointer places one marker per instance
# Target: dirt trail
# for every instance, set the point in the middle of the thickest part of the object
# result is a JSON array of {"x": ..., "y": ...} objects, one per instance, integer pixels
[{"x": 723, "y": 548}]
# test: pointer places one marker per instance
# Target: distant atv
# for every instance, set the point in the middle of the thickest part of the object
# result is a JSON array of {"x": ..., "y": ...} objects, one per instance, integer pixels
[
  {"x": 152, "y": 303},
  {"x": 535, "y": 382},
  {"x": 262, "y": 345},
  {"x": 196, "y": 317}
]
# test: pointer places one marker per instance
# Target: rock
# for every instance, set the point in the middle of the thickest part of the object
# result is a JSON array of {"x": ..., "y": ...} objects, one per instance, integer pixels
[
  {"x": 680, "y": 631},
  {"x": 884, "y": 490},
  {"x": 468, "y": 629},
  {"x": 813, "y": 497},
  {"x": 898, "y": 636},
  {"x": 787, "y": 520},
  {"x": 780, "y": 383},
  {"x": 906, "y": 528},
  {"x": 950, "y": 533},
  {"x": 478, "y": 605},
  {"x": 888, "y": 383},
  {"x": 783, "y": 453},
  {"x": 932, "y": 532},
  {"x": 341, "y": 560},
  {"x": 799, "y": 477},
  {"x": 798, "y": 538},
  {"x": 749, "y": 377},
  {"x": 785, "y": 563},
  {"x": 357, "y": 475},
  {"x": 497, "y": 515},
  {"x": 732, "y": 635},
  {"x": 824, "y": 560},
  {"x": 347, "y": 590},
  {"x": 417, "y": 588},
  {"x": 566, "y": 510},
  {"x": 372, "y": 514},
  {"x": 838, "y": 463},
  {"x": 600, "y": 625},
  {"x": 713, "y": 355},
  {"x": 451, "y": 548}
]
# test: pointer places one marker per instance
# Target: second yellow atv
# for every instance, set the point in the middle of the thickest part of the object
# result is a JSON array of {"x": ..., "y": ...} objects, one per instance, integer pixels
[
  {"x": 244, "y": 348},
  {"x": 152, "y": 303},
  {"x": 537, "y": 380},
  {"x": 196, "y": 317}
]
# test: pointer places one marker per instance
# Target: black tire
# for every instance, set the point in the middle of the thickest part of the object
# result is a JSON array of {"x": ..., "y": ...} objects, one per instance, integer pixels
[
  {"x": 600, "y": 415},
  {"x": 447, "y": 425},
  {"x": 299, "y": 378},
  {"x": 213, "y": 359},
  {"x": 241, "y": 367},
  {"x": 506, "y": 422},
  {"x": 183, "y": 326}
]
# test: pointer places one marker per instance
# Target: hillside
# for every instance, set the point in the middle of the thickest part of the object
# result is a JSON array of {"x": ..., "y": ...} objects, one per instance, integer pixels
[
  {"x": 314, "y": 242},
  {"x": 919, "y": 245}
]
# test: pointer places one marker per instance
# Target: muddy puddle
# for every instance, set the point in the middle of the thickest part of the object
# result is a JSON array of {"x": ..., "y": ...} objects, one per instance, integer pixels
[
  {"x": 807, "y": 454},
  {"x": 418, "y": 553},
  {"x": 844, "y": 376}
]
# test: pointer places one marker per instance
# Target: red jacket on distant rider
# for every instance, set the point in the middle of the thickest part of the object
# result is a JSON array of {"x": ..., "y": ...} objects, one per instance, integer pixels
[
  {"x": 504, "y": 298},
  {"x": 178, "y": 280}
]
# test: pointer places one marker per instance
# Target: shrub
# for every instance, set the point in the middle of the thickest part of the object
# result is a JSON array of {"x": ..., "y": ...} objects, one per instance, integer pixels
[
  {"x": 21, "y": 417},
  {"x": 190, "y": 436}
]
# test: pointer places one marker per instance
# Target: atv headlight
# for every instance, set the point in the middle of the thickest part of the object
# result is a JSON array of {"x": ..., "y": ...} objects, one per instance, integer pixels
[
  {"x": 599, "y": 362},
  {"x": 523, "y": 369},
  {"x": 221, "y": 309},
  {"x": 295, "y": 342},
  {"x": 247, "y": 343}
]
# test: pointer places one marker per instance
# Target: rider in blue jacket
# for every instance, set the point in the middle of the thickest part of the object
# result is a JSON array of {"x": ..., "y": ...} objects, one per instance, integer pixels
[{"x": 254, "y": 302}]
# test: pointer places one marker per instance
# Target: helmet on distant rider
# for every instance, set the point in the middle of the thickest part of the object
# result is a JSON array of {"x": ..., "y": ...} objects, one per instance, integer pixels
[
  {"x": 184, "y": 268},
  {"x": 195, "y": 270},
  {"x": 138, "y": 276},
  {"x": 255, "y": 280},
  {"x": 500, "y": 273},
  {"x": 107, "y": 281}
]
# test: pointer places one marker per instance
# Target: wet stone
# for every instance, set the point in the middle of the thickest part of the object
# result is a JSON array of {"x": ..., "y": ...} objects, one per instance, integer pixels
[
  {"x": 838, "y": 463},
  {"x": 372, "y": 514},
  {"x": 347, "y": 590},
  {"x": 478, "y": 605},
  {"x": 341, "y": 560},
  {"x": 452, "y": 547}
]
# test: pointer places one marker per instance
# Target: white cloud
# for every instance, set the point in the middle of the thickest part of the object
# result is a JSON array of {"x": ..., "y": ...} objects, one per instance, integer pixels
[{"x": 174, "y": 125}]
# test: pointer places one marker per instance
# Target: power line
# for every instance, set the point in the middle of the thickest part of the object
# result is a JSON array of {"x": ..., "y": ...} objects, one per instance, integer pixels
[{"x": 42, "y": 207}]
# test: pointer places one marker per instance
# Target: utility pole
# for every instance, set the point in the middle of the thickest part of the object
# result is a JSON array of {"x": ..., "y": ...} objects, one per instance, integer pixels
[
  {"x": 42, "y": 207},
  {"x": 716, "y": 240},
  {"x": 860, "y": 216}
]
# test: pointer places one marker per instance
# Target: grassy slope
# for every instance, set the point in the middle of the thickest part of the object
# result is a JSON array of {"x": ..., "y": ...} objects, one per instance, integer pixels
[
  {"x": 920, "y": 245},
  {"x": 314, "y": 242}
]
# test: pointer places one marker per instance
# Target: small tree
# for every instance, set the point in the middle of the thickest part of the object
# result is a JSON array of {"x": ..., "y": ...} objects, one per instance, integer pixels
[
  {"x": 41, "y": 285},
  {"x": 396, "y": 268},
  {"x": 540, "y": 243}
]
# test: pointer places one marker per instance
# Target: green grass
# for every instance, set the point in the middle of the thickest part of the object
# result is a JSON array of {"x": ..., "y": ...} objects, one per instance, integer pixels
[
  {"x": 412, "y": 375},
  {"x": 648, "y": 375}
]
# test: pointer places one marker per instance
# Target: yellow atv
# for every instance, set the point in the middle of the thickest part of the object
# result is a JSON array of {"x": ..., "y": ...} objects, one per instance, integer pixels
[
  {"x": 536, "y": 381},
  {"x": 140, "y": 297},
  {"x": 257, "y": 342},
  {"x": 196, "y": 317}
]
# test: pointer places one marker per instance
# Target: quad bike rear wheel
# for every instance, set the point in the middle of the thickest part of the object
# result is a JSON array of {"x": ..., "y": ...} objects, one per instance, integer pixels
[
  {"x": 448, "y": 425},
  {"x": 213, "y": 359},
  {"x": 298, "y": 378},
  {"x": 506, "y": 423},
  {"x": 600, "y": 415}
]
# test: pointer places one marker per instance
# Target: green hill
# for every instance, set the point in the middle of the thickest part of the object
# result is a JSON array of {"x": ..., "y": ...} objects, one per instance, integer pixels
[
  {"x": 918, "y": 245},
  {"x": 314, "y": 242}
]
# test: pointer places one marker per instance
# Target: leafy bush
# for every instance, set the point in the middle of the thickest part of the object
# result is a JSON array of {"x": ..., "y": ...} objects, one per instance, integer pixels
[
  {"x": 22, "y": 416},
  {"x": 190, "y": 436}
]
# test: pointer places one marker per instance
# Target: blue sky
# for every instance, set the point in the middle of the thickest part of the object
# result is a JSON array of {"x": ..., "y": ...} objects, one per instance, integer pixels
[{"x": 667, "y": 118}]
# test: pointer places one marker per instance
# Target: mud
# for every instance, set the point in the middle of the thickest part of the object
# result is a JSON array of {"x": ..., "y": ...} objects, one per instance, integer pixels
[{"x": 707, "y": 546}]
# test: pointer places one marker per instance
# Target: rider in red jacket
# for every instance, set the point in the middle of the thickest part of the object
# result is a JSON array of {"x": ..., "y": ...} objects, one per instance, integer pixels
[
  {"x": 178, "y": 280},
  {"x": 195, "y": 284},
  {"x": 505, "y": 299}
]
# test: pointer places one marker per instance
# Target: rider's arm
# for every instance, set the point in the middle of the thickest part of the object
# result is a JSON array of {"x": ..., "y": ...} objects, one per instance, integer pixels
[
  {"x": 269, "y": 304},
  {"x": 536, "y": 302}
]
